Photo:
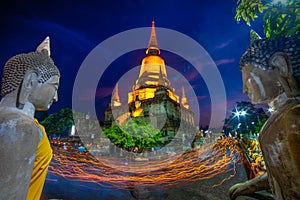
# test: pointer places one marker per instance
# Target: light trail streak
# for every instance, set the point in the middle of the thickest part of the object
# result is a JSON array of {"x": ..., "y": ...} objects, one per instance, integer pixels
[{"x": 193, "y": 165}]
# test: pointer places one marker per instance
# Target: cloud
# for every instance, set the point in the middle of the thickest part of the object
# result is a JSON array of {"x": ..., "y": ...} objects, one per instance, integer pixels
[
  {"x": 69, "y": 36},
  {"x": 224, "y": 44},
  {"x": 191, "y": 75},
  {"x": 88, "y": 94},
  {"x": 201, "y": 97},
  {"x": 103, "y": 92},
  {"x": 224, "y": 61}
]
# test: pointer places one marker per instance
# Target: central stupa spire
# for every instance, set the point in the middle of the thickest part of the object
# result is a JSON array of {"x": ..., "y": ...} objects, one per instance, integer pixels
[
  {"x": 153, "y": 69},
  {"x": 153, "y": 40},
  {"x": 153, "y": 45}
]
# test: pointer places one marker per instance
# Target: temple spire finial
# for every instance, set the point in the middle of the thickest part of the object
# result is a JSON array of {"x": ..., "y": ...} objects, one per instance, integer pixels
[
  {"x": 153, "y": 40},
  {"x": 153, "y": 45}
]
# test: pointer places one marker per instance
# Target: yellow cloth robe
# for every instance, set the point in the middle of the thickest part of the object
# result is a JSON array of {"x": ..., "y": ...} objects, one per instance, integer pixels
[{"x": 40, "y": 167}]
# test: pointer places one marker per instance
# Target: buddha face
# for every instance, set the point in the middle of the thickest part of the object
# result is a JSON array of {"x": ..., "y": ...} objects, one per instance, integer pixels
[
  {"x": 44, "y": 94},
  {"x": 261, "y": 85}
]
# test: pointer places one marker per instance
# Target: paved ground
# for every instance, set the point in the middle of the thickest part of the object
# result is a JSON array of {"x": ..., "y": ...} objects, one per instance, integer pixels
[{"x": 57, "y": 187}]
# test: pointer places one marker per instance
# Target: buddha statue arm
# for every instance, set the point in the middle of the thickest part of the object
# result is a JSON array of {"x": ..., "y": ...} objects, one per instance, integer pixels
[
  {"x": 292, "y": 127},
  {"x": 18, "y": 144}
]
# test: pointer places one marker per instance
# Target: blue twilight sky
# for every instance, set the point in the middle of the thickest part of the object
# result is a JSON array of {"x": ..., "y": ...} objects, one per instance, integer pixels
[{"x": 77, "y": 27}]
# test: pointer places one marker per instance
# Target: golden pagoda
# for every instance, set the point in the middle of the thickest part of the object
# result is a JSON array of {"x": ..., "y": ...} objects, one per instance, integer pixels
[
  {"x": 153, "y": 87},
  {"x": 152, "y": 74}
]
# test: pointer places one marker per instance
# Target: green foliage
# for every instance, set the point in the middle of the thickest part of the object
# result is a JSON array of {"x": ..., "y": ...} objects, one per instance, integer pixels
[
  {"x": 136, "y": 133},
  {"x": 249, "y": 10},
  {"x": 280, "y": 20},
  {"x": 260, "y": 125},
  {"x": 58, "y": 123}
]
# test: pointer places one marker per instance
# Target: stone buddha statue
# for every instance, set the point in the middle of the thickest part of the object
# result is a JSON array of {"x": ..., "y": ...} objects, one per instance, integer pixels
[
  {"x": 271, "y": 75},
  {"x": 29, "y": 83}
]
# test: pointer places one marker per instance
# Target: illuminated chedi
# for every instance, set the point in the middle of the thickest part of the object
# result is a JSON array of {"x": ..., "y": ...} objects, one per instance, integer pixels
[
  {"x": 116, "y": 97},
  {"x": 184, "y": 101},
  {"x": 153, "y": 98}
]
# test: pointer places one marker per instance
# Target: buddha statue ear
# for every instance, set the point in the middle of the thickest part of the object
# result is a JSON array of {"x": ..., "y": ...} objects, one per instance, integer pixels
[
  {"x": 44, "y": 46},
  {"x": 280, "y": 61},
  {"x": 28, "y": 84}
]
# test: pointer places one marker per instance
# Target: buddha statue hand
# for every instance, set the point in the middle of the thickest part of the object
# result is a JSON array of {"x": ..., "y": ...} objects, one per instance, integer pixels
[
  {"x": 241, "y": 189},
  {"x": 249, "y": 187}
]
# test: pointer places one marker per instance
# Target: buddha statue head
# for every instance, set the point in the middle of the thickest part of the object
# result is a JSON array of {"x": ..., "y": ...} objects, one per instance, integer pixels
[
  {"x": 271, "y": 69},
  {"x": 31, "y": 78}
]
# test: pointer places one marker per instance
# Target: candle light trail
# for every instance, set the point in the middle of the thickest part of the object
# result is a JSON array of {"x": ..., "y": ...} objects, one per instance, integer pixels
[{"x": 193, "y": 165}]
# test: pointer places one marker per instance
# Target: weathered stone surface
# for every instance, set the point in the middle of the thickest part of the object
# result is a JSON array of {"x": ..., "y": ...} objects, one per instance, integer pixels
[
  {"x": 29, "y": 83},
  {"x": 277, "y": 84}
]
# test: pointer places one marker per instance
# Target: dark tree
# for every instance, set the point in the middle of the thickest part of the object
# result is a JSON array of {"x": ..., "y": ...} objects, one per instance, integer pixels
[
  {"x": 59, "y": 123},
  {"x": 245, "y": 118}
]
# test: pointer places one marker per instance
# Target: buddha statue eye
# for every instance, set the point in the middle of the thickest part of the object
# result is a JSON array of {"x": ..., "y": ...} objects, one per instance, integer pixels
[{"x": 278, "y": 84}]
